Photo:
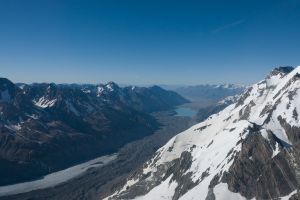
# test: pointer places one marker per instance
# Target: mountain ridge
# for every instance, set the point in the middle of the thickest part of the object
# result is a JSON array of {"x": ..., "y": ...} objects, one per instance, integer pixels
[
  {"x": 248, "y": 150},
  {"x": 209, "y": 93},
  {"x": 47, "y": 127}
]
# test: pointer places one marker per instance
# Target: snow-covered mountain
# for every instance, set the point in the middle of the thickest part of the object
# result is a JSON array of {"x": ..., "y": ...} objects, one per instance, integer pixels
[{"x": 249, "y": 150}]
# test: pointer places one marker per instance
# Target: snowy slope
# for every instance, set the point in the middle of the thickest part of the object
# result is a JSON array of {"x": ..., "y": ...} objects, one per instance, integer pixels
[{"x": 248, "y": 150}]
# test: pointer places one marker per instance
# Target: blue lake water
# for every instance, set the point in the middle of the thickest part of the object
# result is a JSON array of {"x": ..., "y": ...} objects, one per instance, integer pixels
[{"x": 185, "y": 112}]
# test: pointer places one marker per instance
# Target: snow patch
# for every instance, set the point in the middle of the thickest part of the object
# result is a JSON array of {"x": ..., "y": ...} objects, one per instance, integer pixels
[
  {"x": 287, "y": 197},
  {"x": 45, "y": 103},
  {"x": 164, "y": 191},
  {"x": 110, "y": 88},
  {"x": 100, "y": 90},
  {"x": 276, "y": 150},
  {"x": 222, "y": 192}
]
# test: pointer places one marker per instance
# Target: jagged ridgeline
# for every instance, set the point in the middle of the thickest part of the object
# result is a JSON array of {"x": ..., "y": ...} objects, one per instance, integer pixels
[
  {"x": 250, "y": 150},
  {"x": 48, "y": 127}
]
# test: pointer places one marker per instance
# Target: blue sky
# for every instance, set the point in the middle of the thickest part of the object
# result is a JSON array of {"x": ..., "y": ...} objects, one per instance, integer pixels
[{"x": 147, "y": 42}]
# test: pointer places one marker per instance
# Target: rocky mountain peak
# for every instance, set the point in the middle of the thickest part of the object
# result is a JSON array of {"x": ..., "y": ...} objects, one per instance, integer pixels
[
  {"x": 6, "y": 84},
  {"x": 52, "y": 86},
  {"x": 249, "y": 150},
  {"x": 283, "y": 70},
  {"x": 108, "y": 88},
  {"x": 111, "y": 86},
  {"x": 7, "y": 90}
]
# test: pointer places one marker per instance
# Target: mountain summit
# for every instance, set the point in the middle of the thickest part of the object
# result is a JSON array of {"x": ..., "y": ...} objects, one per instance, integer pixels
[{"x": 250, "y": 150}]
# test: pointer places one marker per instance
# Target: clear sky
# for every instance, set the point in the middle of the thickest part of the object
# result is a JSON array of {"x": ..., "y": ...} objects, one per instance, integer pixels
[{"x": 147, "y": 42}]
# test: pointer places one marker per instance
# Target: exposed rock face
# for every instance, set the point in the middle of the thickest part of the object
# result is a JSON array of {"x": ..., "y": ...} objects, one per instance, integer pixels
[
  {"x": 250, "y": 150},
  {"x": 47, "y": 127},
  {"x": 255, "y": 173}
]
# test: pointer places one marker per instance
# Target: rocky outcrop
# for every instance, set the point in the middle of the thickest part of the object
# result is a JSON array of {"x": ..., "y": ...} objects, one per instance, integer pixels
[{"x": 256, "y": 173}]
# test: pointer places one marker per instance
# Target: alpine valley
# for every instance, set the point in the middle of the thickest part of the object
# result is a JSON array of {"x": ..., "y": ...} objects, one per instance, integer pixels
[
  {"x": 120, "y": 143},
  {"x": 249, "y": 150},
  {"x": 47, "y": 127}
]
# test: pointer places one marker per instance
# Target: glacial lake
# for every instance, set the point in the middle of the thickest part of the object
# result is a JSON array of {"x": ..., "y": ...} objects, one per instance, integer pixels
[{"x": 185, "y": 112}]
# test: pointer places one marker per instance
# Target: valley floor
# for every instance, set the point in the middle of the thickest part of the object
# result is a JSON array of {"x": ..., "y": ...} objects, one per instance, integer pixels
[
  {"x": 94, "y": 182},
  {"x": 56, "y": 178}
]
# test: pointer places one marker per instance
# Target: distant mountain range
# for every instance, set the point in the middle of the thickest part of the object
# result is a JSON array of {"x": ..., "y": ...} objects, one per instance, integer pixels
[
  {"x": 209, "y": 93},
  {"x": 46, "y": 127},
  {"x": 204, "y": 112},
  {"x": 249, "y": 150}
]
